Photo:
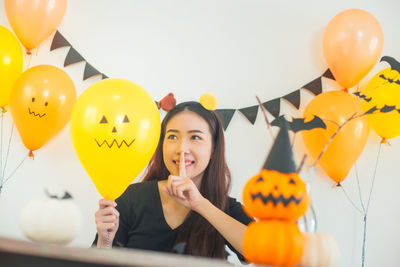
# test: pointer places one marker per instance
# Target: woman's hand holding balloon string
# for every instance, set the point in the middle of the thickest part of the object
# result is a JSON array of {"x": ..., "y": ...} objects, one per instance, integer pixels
[{"x": 107, "y": 222}]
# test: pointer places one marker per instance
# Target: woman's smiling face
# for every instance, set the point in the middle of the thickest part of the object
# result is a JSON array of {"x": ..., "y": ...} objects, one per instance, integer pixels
[{"x": 187, "y": 133}]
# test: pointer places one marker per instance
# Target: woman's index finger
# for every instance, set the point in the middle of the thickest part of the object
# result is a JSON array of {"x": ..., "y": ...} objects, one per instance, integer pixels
[{"x": 182, "y": 168}]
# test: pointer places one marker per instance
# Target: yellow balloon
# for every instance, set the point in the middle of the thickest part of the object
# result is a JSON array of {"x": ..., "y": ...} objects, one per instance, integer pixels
[
  {"x": 11, "y": 63},
  {"x": 115, "y": 128},
  {"x": 384, "y": 90}
]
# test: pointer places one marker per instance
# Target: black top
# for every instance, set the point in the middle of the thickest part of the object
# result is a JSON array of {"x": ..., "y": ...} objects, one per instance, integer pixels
[{"x": 142, "y": 224}]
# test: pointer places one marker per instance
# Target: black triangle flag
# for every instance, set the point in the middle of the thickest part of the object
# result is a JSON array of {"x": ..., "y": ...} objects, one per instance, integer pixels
[
  {"x": 314, "y": 86},
  {"x": 58, "y": 41},
  {"x": 225, "y": 115},
  {"x": 89, "y": 71},
  {"x": 293, "y": 98},
  {"x": 273, "y": 106},
  {"x": 103, "y": 76},
  {"x": 72, "y": 57},
  {"x": 250, "y": 113},
  {"x": 328, "y": 74},
  {"x": 280, "y": 157}
]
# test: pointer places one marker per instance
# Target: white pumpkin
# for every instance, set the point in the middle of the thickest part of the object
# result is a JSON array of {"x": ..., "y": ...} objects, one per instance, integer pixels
[
  {"x": 51, "y": 220},
  {"x": 319, "y": 250}
]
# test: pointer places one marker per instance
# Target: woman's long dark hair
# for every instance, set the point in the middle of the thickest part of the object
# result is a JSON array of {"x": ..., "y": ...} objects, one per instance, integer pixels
[{"x": 200, "y": 237}]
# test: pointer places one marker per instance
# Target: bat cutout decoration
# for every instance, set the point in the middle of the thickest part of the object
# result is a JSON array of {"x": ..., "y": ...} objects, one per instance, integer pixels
[
  {"x": 362, "y": 96},
  {"x": 299, "y": 124},
  {"x": 394, "y": 64}
]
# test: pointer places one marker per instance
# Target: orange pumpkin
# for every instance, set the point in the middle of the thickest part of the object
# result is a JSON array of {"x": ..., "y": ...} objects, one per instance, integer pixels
[
  {"x": 274, "y": 195},
  {"x": 273, "y": 242}
]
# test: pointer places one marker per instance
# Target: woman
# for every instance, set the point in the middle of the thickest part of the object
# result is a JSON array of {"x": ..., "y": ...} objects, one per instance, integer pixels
[{"x": 182, "y": 203}]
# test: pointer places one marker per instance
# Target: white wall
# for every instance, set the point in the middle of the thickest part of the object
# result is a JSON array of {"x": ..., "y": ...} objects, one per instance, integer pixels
[{"x": 235, "y": 49}]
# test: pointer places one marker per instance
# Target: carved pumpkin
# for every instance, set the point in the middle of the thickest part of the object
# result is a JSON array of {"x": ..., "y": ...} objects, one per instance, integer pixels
[
  {"x": 273, "y": 242},
  {"x": 274, "y": 195},
  {"x": 319, "y": 250}
]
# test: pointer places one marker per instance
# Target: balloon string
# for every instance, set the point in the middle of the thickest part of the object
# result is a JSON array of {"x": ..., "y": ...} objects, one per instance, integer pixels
[
  {"x": 8, "y": 149},
  {"x": 354, "y": 205},
  {"x": 365, "y": 209},
  {"x": 359, "y": 189},
  {"x": 373, "y": 179},
  {"x": 19, "y": 165},
  {"x": 364, "y": 238}
]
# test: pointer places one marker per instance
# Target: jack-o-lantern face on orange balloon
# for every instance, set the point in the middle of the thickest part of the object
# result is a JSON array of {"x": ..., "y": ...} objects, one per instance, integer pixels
[
  {"x": 274, "y": 195},
  {"x": 41, "y": 104}
]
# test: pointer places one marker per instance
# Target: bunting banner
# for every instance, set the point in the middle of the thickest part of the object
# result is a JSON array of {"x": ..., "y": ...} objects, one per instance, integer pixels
[{"x": 250, "y": 113}]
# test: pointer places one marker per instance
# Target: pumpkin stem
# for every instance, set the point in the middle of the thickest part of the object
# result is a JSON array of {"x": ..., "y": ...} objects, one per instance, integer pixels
[{"x": 66, "y": 195}]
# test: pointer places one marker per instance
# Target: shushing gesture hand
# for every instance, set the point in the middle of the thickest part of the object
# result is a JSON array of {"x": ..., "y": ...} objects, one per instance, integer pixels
[{"x": 182, "y": 188}]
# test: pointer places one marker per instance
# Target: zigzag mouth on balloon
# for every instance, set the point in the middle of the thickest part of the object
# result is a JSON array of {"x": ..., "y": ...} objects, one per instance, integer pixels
[
  {"x": 274, "y": 200},
  {"x": 35, "y": 114},
  {"x": 114, "y": 142}
]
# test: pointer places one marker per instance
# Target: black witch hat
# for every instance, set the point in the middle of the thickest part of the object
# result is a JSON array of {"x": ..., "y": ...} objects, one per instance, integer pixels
[{"x": 280, "y": 157}]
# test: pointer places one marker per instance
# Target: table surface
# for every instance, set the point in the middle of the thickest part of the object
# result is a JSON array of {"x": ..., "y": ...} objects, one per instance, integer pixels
[{"x": 23, "y": 252}]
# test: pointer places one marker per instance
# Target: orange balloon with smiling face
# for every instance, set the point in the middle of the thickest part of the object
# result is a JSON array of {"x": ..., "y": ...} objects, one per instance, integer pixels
[{"x": 41, "y": 104}]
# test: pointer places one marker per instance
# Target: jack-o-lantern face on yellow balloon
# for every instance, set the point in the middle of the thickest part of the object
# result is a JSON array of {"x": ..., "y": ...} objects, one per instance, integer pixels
[
  {"x": 274, "y": 195},
  {"x": 383, "y": 92},
  {"x": 115, "y": 128},
  {"x": 118, "y": 138}
]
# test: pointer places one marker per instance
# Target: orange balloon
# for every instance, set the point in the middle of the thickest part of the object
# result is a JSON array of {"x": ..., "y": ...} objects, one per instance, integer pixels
[
  {"x": 34, "y": 21},
  {"x": 41, "y": 104},
  {"x": 352, "y": 45},
  {"x": 334, "y": 108}
]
